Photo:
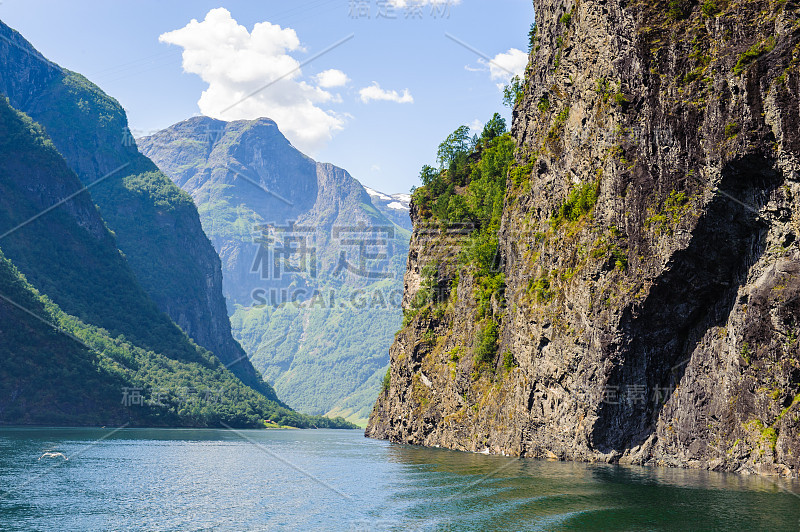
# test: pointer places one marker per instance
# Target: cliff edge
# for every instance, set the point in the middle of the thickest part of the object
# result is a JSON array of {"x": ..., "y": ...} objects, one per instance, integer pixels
[{"x": 647, "y": 300}]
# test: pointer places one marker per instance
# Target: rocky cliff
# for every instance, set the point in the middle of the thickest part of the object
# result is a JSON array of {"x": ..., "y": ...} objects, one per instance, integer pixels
[{"x": 648, "y": 247}]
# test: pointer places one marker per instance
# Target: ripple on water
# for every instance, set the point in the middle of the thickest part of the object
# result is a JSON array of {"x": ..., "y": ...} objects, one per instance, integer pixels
[{"x": 337, "y": 480}]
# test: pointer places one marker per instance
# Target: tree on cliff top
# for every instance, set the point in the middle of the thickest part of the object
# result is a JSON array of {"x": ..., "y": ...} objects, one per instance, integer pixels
[{"x": 457, "y": 143}]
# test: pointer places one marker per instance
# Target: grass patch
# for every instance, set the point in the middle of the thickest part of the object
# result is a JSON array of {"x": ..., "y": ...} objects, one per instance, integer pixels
[
  {"x": 603, "y": 89},
  {"x": 746, "y": 353},
  {"x": 731, "y": 130},
  {"x": 521, "y": 174},
  {"x": 509, "y": 362},
  {"x": 675, "y": 207},
  {"x": 768, "y": 434},
  {"x": 709, "y": 8},
  {"x": 554, "y": 135},
  {"x": 387, "y": 380},
  {"x": 544, "y": 104},
  {"x": 541, "y": 289},
  {"x": 486, "y": 343},
  {"x": 752, "y": 54},
  {"x": 579, "y": 203},
  {"x": 675, "y": 10}
]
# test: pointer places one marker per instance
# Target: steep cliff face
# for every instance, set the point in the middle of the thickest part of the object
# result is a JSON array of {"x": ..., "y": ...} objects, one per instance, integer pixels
[
  {"x": 648, "y": 246},
  {"x": 156, "y": 226}
]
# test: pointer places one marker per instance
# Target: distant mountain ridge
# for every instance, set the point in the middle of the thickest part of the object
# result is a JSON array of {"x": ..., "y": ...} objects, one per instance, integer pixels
[
  {"x": 294, "y": 234},
  {"x": 245, "y": 176}
]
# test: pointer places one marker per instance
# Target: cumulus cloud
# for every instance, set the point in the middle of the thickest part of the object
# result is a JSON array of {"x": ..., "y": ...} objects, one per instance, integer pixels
[
  {"x": 236, "y": 63},
  {"x": 506, "y": 65},
  {"x": 331, "y": 78},
  {"x": 375, "y": 92}
]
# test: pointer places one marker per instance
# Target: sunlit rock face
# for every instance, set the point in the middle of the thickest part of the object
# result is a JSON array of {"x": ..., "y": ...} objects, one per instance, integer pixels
[{"x": 661, "y": 327}]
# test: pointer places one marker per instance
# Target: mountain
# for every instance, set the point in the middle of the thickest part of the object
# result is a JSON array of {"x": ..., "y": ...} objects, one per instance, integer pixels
[
  {"x": 155, "y": 225},
  {"x": 311, "y": 267},
  {"x": 74, "y": 356},
  {"x": 396, "y": 207},
  {"x": 70, "y": 254},
  {"x": 82, "y": 342},
  {"x": 628, "y": 284}
]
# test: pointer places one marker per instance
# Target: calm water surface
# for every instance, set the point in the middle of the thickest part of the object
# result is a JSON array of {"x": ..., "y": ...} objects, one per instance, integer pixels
[{"x": 138, "y": 479}]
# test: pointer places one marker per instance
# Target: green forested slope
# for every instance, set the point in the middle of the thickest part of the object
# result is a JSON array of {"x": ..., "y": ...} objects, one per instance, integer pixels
[
  {"x": 156, "y": 225},
  {"x": 96, "y": 350},
  {"x": 68, "y": 253},
  {"x": 48, "y": 377}
]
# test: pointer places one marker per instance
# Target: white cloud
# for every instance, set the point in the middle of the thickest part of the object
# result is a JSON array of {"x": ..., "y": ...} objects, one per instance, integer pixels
[
  {"x": 375, "y": 92},
  {"x": 476, "y": 126},
  {"x": 331, "y": 78},
  {"x": 375, "y": 168},
  {"x": 407, "y": 3},
  {"x": 236, "y": 63},
  {"x": 506, "y": 65}
]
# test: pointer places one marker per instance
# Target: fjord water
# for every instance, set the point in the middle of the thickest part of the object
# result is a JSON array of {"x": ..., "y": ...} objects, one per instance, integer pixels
[{"x": 141, "y": 479}]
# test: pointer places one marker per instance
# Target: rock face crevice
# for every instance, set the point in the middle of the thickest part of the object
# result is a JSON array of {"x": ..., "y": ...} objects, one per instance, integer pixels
[
  {"x": 694, "y": 294},
  {"x": 660, "y": 327}
]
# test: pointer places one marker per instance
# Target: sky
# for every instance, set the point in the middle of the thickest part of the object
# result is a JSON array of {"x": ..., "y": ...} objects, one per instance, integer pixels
[{"x": 372, "y": 86}]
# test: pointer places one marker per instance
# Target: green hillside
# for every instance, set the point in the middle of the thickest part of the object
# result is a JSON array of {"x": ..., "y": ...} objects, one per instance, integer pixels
[
  {"x": 50, "y": 378},
  {"x": 96, "y": 350},
  {"x": 155, "y": 225}
]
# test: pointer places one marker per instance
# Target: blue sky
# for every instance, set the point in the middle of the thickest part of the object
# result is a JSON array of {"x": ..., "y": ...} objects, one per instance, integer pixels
[{"x": 389, "y": 95}]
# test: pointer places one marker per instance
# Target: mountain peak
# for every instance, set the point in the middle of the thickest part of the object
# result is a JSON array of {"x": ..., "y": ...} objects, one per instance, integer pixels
[{"x": 282, "y": 224}]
